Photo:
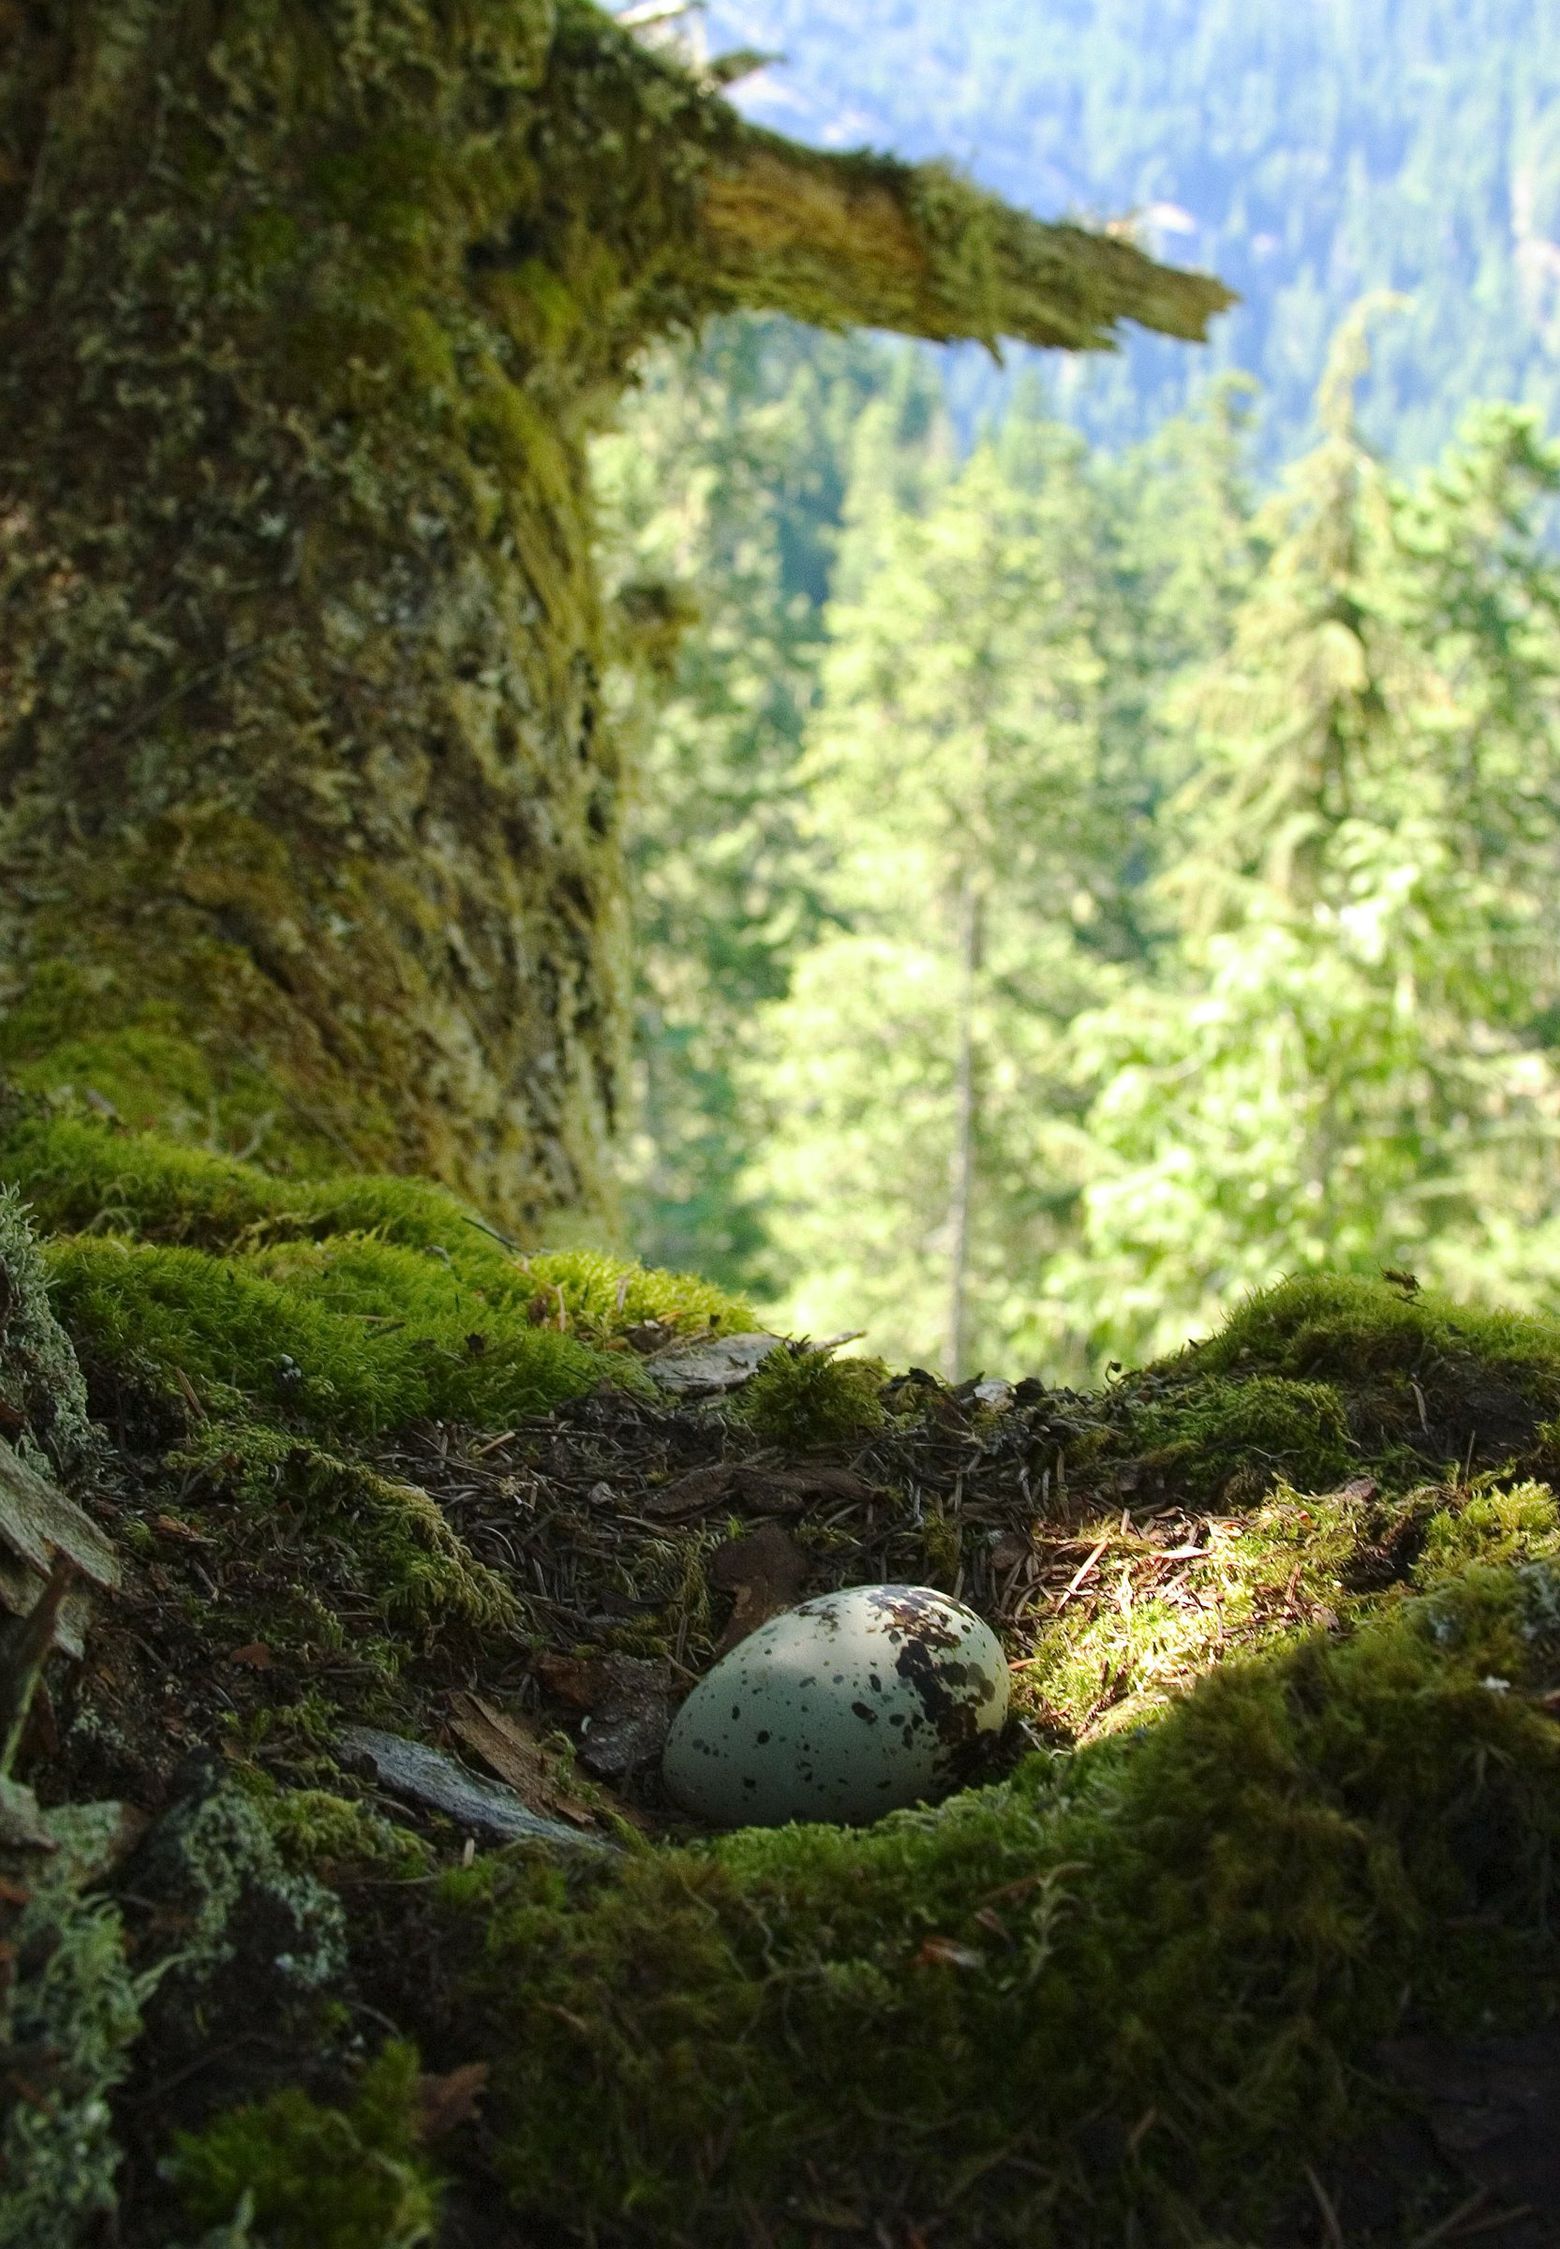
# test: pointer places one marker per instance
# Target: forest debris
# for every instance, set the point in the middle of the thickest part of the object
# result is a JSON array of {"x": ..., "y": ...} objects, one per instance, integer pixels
[
  {"x": 691, "y": 1494},
  {"x": 24, "y": 1649},
  {"x": 778, "y": 1491},
  {"x": 37, "y": 1523},
  {"x": 628, "y": 1705},
  {"x": 724, "y": 1362},
  {"x": 426, "y": 1776},
  {"x": 766, "y": 1571},
  {"x": 509, "y": 1748}
]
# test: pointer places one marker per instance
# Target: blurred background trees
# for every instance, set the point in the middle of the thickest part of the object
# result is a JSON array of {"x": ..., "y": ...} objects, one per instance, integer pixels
[{"x": 1076, "y": 885}]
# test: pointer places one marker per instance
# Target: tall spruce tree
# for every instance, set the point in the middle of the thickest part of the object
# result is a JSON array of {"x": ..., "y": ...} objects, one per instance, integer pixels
[
  {"x": 1350, "y": 1057},
  {"x": 980, "y": 783}
]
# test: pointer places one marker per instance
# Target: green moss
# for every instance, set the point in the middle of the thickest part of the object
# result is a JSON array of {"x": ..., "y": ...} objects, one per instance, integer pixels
[
  {"x": 801, "y": 1397},
  {"x": 331, "y": 1835},
  {"x": 315, "y": 2176},
  {"x": 1187, "y": 1941},
  {"x": 346, "y": 1532},
  {"x": 1336, "y": 1327},
  {"x": 357, "y": 1337},
  {"x": 1259, "y": 1427},
  {"x": 602, "y": 1297},
  {"x": 344, "y": 1305},
  {"x": 1108, "y": 1663}
]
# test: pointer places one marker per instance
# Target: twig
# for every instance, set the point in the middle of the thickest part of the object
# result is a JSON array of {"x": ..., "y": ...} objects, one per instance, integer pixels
[
  {"x": 1324, "y": 2203},
  {"x": 1453, "y": 2228},
  {"x": 32, "y": 1639}
]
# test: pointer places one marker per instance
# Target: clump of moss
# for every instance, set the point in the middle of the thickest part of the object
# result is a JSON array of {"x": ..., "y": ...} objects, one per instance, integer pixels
[
  {"x": 1107, "y": 1664},
  {"x": 1414, "y": 1367},
  {"x": 328, "y": 1835},
  {"x": 1206, "y": 1433},
  {"x": 314, "y": 2176},
  {"x": 347, "y": 1305},
  {"x": 1128, "y": 1992},
  {"x": 1339, "y": 1326},
  {"x": 351, "y": 1338},
  {"x": 376, "y": 1537},
  {"x": 801, "y": 1397}
]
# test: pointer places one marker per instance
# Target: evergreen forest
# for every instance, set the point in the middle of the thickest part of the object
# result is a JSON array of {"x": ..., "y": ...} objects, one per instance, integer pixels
[{"x": 1080, "y": 886}]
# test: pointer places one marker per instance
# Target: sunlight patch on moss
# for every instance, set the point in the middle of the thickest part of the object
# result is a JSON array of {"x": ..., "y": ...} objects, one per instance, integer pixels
[
  {"x": 800, "y": 1397},
  {"x": 1207, "y": 1925}
]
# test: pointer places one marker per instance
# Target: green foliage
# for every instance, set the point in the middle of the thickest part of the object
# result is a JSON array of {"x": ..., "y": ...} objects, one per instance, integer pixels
[
  {"x": 1209, "y": 1923},
  {"x": 720, "y": 492},
  {"x": 315, "y": 2176},
  {"x": 1179, "y": 877},
  {"x": 800, "y": 1397},
  {"x": 1346, "y": 1059}
]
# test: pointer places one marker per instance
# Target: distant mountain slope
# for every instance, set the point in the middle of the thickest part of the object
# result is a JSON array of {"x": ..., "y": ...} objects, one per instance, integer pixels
[{"x": 1306, "y": 149}]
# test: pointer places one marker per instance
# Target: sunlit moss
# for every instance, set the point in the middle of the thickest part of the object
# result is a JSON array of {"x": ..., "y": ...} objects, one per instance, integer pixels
[
  {"x": 1189, "y": 1939},
  {"x": 803, "y": 1397}
]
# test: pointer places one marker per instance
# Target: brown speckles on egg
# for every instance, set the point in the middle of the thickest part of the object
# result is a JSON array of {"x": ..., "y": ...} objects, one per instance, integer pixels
[{"x": 806, "y": 1740}]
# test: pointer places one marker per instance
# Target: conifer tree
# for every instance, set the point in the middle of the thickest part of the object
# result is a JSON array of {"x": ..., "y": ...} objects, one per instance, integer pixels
[
  {"x": 1349, "y": 1059},
  {"x": 976, "y": 784}
]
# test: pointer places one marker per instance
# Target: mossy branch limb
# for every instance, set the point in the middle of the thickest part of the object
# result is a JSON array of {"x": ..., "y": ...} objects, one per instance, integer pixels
[{"x": 862, "y": 240}]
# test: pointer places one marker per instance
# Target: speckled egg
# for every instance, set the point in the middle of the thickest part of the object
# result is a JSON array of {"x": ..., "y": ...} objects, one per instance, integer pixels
[{"x": 844, "y": 1708}]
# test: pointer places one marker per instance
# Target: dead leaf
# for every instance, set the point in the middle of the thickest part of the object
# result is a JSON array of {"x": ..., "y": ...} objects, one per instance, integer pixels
[
  {"x": 580, "y": 1680},
  {"x": 508, "y": 1747},
  {"x": 170, "y": 1526},
  {"x": 254, "y": 1655},
  {"x": 766, "y": 1571},
  {"x": 447, "y": 2101}
]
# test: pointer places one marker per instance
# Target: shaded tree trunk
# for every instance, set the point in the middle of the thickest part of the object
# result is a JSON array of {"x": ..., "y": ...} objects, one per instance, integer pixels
[{"x": 309, "y": 823}]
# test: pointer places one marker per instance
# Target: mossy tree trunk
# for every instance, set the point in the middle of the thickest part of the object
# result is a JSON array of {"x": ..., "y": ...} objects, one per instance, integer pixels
[{"x": 308, "y": 816}]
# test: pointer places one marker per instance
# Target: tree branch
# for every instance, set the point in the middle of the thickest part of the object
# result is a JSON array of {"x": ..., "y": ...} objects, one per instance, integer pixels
[{"x": 861, "y": 240}]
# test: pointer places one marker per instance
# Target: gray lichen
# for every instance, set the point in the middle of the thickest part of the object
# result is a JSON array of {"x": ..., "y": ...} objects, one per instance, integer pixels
[{"x": 40, "y": 1381}]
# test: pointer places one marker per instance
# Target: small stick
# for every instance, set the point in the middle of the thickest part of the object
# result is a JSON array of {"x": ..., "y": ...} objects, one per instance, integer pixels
[
  {"x": 1324, "y": 2203},
  {"x": 31, "y": 1641}
]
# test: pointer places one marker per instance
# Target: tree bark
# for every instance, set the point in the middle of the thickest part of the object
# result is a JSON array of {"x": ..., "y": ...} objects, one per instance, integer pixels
[{"x": 309, "y": 821}]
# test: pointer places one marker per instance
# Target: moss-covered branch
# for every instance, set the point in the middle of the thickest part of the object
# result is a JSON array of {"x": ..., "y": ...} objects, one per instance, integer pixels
[{"x": 861, "y": 240}]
